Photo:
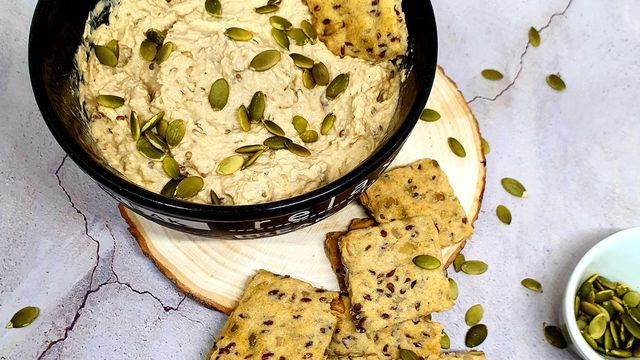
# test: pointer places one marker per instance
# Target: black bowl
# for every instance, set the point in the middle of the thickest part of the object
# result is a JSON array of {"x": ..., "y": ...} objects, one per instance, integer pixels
[{"x": 56, "y": 33}]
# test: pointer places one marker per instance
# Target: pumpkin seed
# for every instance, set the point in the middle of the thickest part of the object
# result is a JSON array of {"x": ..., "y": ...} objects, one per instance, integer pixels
[
  {"x": 162, "y": 127},
  {"x": 145, "y": 148},
  {"x": 309, "y": 30},
  {"x": 456, "y": 147},
  {"x": 581, "y": 324},
  {"x": 408, "y": 355},
  {"x": 156, "y": 140},
  {"x": 621, "y": 289},
  {"x": 597, "y": 326},
  {"x": 213, "y": 7},
  {"x": 613, "y": 328},
  {"x": 307, "y": 79},
  {"x": 476, "y": 335},
  {"x": 171, "y": 167},
  {"x": 337, "y": 86},
  {"x": 219, "y": 94},
  {"x": 427, "y": 262},
  {"x": 608, "y": 340},
  {"x": 429, "y": 115},
  {"x": 105, "y": 55},
  {"x": 554, "y": 336},
  {"x": 617, "y": 306},
  {"x": 148, "y": 50},
  {"x": 445, "y": 341},
  {"x": 175, "y": 132},
  {"x": 134, "y": 124},
  {"x": 585, "y": 289},
  {"x": 555, "y": 82},
  {"x": 250, "y": 149},
  {"x": 276, "y": 142},
  {"x": 327, "y": 124},
  {"x": 114, "y": 46},
  {"x": 155, "y": 36},
  {"x": 534, "y": 37},
  {"x": 631, "y": 299},
  {"x": 281, "y": 38},
  {"x": 165, "y": 51},
  {"x": 589, "y": 308},
  {"x": 453, "y": 289},
  {"x": 532, "y": 285},
  {"x": 630, "y": 325},
  {"x": 589, "y": 340},
  {"x": 604, "y": 295},
  {"x": 491, "y": 74},
  {"x": 309, "y": 136},
  {"x": 300, "y": 124},
  {"x": 273, "y": 128},
  {"x": 606, "y": 283},
  {"x": 298, "y": 150},
  {"x": 110, "y": 101},
  {"x": 274, "y": 2},
  {"x": 486, "y": 148},
  {"x": 265, "y": 60},
  {"x": 252, "y": 159},
  {"x": 230, "y": 165},
  {"x": 474, "y": 267},
  {"x": 514, "y": 187},
  {"x": 243, "y": 118},
  {"x": 622, "y": 353},
  {"x": 298, "y": 36},
  {"x": 302, "y": 61},
  {"x": 189, "y": 187},
  {"x": 474, "y": 315},
  {"x": 635, "y": 314},
  {"x": 280, "y": 23},
  {"x": 155, "y": 119},
  {"x": 238, "y": 34},
  {"x": 267, "y": 9},
  {"x": 320, "y": 74},
  {"x": 215, "y": 200},
  {"x": 257, "y": 106},
  {"x": 504, "y": 214},
  {"x": 169, "y": 189},
  {"x": 457, "y": 262},
  {"x": 23, "y": 317},
  {"x": 576, "y": 306}
]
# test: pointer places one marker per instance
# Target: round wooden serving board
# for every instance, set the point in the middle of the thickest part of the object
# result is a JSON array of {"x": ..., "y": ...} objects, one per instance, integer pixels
[{"x": 215, "y": 271}]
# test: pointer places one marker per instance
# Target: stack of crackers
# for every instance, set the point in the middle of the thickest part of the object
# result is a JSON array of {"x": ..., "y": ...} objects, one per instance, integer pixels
[{"x": 384, "y": 309}]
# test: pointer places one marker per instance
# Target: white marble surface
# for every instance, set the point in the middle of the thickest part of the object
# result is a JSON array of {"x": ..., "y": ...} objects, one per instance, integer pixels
[{"x": 64, "y": 248}]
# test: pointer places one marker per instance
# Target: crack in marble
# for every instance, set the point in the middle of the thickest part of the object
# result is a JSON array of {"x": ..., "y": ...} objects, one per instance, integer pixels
[
  {"x": 522, "y": 55},
  {"x": 91, "y": 289}
]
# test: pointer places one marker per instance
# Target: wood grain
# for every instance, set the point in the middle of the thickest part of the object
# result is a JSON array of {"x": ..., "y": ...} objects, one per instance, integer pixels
[{"x": 214, "y": 271}]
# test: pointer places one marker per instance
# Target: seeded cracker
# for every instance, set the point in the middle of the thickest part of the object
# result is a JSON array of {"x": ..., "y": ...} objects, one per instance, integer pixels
[
  {"x": 367, "y": 29},
  {"x": 420, "y": 189},
  {"x": 386, "y": 287},
  {"x": 420, "y": 335},
  {"x": 279, "y": 316}
]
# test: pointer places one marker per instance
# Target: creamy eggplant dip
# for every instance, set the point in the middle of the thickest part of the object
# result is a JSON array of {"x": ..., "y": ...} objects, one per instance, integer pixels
[{"x": 204, "y": 102}]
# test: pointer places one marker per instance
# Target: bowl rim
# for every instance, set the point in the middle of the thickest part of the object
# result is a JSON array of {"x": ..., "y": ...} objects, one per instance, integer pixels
[
  {"x": 238, "y": 213},
  {"x": 571, "y": 326}
]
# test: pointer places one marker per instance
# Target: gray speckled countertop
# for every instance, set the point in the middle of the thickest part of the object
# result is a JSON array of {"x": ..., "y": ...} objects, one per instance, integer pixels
[{"x": 64, "y": 247}]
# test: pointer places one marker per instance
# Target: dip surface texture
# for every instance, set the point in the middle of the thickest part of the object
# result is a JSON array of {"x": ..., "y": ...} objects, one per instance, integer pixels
[{"x": 180, "y": 87}]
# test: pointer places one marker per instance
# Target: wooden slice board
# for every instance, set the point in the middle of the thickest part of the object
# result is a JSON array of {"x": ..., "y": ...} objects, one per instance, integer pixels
[{"x": 215, "y": 271}]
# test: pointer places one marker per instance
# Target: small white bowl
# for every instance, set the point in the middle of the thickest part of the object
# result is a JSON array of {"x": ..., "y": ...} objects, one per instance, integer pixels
[{"x": 617, "y": 258}]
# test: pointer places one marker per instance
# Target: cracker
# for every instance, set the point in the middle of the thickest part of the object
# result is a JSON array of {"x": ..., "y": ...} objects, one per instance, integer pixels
[
  {"x": 386, "y": 287},
  {"x": 420, "y": 189},
  {"x": 367, "y": 29},
  {"x": 421, "y": 336},
  {"x": 279, "y": 316},
  {"x": 332, "y": 249}
]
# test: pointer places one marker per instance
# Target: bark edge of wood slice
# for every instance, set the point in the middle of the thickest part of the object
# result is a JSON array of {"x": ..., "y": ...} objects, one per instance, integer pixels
[{"x": 214, "y": 272}]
